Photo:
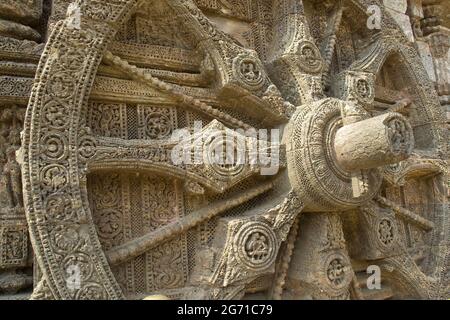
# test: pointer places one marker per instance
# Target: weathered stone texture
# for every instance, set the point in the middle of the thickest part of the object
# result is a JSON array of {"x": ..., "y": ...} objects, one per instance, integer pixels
[{"x": 352, "y": 176}]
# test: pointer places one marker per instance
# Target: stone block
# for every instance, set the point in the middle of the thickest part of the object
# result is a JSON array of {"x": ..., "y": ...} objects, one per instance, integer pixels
[
  {"x": 427, "y": 58},
  {"x": 415, "y": 8},
  {"x": 396, "y": 5},
  {"x": 404, "y": 23}
]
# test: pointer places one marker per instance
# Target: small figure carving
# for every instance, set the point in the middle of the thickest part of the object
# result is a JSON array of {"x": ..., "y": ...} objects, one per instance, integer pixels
[
  {"x": 11, "y": 182},
  {"x": 310, "y": 59},
  {"x": 250, "y": 71},
  {"x": 257, "y": 247},
  {"x": 308, "y": 55},
  {"x": 398, "y": 135}
]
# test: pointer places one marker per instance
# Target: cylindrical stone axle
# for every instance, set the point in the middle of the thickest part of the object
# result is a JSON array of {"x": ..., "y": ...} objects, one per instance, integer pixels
[{"x": 375, "y": 142}]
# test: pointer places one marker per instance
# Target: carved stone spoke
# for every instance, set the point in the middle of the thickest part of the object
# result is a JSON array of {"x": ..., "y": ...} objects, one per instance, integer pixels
[{"x": 213, "y": 157}]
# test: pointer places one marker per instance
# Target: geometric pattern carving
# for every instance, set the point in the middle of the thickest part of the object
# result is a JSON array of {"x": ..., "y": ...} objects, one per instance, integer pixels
[
  {"x": 14, "y": 246},
  {"x": 126, "y": 207},
  {"x": 131, "y": 121}
]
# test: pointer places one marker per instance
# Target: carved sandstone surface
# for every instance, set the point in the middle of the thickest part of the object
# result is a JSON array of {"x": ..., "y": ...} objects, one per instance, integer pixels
[
  {"x": 116, "y": 116},
  {"x": 375, "y": 142}
]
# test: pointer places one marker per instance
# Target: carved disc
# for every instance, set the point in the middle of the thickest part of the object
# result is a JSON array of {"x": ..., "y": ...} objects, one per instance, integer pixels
[{"x": 313, "y": 170}]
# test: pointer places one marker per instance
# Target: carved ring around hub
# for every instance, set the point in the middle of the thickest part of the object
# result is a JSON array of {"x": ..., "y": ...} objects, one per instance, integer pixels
[{"x": 312, "y": 167}]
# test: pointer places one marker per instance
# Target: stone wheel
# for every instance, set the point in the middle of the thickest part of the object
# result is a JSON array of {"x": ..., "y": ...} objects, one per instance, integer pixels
[{"x": 112, "y": 215}]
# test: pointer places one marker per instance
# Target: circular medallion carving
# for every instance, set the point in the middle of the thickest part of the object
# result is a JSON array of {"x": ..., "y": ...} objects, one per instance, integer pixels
[
  {"x": 54, "y": 114},
  {"x": 64, "y": 239},
  {"x": 54, "y": 177},
  {"x": 256, "y": 246},
  {"x": 54, "y": 146},
  {"x": 7, "y": 87},
  {"x": 312, "y": 167},
  {"x": 59, "y": 208},
  {"x": 222, "y": 156},
  {"x": 310, "y": 59},
  {"x": 60, "y": 85},
  {"x": 82, "y": 262},
  {"x": 109, "y": 223},
  {"x": 157, "y": 125},
  {"x": 364, "y": 90},
  {"x": 386, "y": 232},
  {"x": 249, "y": 71},
  {"x": 87, "y": 147},
  {"x": 338, "y": 271}
]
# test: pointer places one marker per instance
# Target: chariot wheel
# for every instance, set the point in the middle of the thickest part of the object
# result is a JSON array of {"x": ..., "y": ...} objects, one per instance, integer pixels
[{"x": 358, "y": 184}]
